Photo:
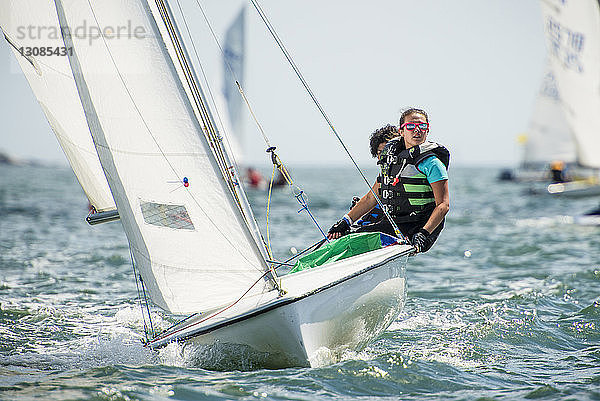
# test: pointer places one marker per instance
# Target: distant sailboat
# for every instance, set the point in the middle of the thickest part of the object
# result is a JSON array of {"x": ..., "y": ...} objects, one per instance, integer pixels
[
  {"x": 234, "y": 55},
  {"x": 228, "y": 101},
  {"x": 125, "y": 80},
  {"x": 549, "y": 136},
  {"x": 572, "y": 30}
]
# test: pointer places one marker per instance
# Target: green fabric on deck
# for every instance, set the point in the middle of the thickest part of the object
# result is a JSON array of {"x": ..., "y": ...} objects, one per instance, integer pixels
[{"x": 342, "y": 248}]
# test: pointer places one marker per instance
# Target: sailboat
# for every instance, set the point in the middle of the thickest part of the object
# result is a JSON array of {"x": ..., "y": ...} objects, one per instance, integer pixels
[
  {"x": 572, "y": 31},
  {"x": 547, "y": 128},
  {"x": 120, "y": 92}
]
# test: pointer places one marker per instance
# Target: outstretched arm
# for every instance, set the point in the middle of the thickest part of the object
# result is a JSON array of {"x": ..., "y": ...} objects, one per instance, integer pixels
[{"x": 364, "y": 205}]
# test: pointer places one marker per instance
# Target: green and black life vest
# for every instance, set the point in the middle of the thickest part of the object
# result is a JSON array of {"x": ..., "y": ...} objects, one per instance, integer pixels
[{"x": 405, "y": 192}]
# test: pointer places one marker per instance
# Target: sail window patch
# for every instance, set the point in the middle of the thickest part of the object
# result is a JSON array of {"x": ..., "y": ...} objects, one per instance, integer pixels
[{"x": 172, "y": 216}]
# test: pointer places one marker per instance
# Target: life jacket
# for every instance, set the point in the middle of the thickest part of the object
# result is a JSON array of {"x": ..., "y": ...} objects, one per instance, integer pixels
[{"x": 405, "y": 192}]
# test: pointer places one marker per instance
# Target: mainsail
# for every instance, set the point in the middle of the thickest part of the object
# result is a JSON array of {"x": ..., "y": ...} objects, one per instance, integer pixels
[
  {"x": 549, "y": 137},
  {"x": 572, "y": 30},
  {"x": 192, "y": 238},
  {"x": 32, "y": 25}
]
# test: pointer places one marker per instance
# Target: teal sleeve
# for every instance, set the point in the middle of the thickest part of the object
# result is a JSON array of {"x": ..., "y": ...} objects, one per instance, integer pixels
[{"x": 433, "y": 169}]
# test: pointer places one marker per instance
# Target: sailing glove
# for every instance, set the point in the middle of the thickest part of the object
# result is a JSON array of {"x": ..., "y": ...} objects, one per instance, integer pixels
[
  {"x": 342, "y": 226},
  {"x": 419, "y": 239}
]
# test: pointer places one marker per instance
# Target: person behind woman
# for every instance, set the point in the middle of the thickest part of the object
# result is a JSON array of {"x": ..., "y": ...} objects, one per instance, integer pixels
[
  {"x": 413, "y": 184},
  {"x": 377, "y": 142}
]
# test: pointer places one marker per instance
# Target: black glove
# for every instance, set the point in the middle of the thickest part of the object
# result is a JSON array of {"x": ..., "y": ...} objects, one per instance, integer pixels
[
  {"x": 342, "y": 227},
  {"x": 419, "y": 239}
]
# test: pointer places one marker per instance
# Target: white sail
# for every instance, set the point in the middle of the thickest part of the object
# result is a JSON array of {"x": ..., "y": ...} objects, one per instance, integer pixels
[
  {"x": 33, "y": 25},
  {"x": 549, "y": 137},
  {"x": 233, "y": 69},
  {"x": 189, "y": 239},
  {"x": 572, "y": 30}
]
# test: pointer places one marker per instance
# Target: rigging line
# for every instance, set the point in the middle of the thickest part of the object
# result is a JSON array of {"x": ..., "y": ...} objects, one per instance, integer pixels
[
  {"x": 276, "y": 161},
  {"x": 268, "y": 211},
  {"x": 323, "y": 113},
  {"x": 235, "y": 173},
  {"x": 198, "y": 100},
  {"x": 237, "y": 82},
  {"x": 212, "y": 134},
  {"x": 134, "y": 104},
  {"x": 285, "y": 262},
  {"x": 205, "y": 77},
  {"x": 146, "y": 302},
  {"x": 135, "y": 276},
  {"x": 250, "y": 222},
  {"x": 225, "y": 170}
]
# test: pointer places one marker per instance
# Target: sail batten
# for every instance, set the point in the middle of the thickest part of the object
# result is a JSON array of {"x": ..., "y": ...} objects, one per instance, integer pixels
[{"x": 188, "y": 240}]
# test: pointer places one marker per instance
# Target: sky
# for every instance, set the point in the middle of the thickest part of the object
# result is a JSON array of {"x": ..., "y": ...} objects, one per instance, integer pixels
[{"x": 474, "y": 65}]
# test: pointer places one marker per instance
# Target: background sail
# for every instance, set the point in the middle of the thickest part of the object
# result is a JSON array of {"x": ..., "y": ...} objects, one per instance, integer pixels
[
  {"x": 572, "y": 30},
  {"x": 233, "y": 68},
  {"x": 549, "y": 137},
  {"x": 34, "y": 24},
  {"x": 188, "y": 238}
]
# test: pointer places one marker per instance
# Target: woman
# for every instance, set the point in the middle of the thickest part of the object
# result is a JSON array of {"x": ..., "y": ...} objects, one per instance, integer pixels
[{"x": 413, "y": 184}]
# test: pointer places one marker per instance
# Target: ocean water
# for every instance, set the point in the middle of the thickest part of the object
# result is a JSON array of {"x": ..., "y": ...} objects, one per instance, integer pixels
[{"x": 516, "y": 317}]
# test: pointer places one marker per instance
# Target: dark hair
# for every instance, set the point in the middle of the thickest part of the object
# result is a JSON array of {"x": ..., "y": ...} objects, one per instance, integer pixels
[
  {"x": 410, "y": 111},
  {"x": 382, "y": 135}
]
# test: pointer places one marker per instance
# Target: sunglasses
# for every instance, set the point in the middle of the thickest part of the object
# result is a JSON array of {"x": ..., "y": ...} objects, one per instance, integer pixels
[{"x": 413, "y": 126}]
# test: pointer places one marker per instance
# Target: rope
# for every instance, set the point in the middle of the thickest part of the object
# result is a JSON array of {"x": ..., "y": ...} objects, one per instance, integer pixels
[
  {"x": 137, "y": 284},
  {"x": 212, "y": 136},
  {"x": 277, "y": 163},
  {"x": 268, "y": 212},
  {"x": 302, "y": 202},
  {"x": 210, "y": 93},
  {"x": 232, "y": 180},
  {"x": 237, "y": 81},
  {"x": 323, "y": 113}
]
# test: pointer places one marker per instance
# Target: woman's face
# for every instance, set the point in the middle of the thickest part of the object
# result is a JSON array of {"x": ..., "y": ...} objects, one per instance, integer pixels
[{"x": 416, "y": 136}]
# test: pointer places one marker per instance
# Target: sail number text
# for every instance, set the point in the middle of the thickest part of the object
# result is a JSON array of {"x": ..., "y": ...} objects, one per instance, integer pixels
[{"x": 45, "y": 51}]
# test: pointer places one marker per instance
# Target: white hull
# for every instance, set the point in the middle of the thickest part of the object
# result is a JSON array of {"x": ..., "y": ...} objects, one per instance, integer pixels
[
  {"x": 575, "y": 189},
  {"x": 326, "y": 311}
]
